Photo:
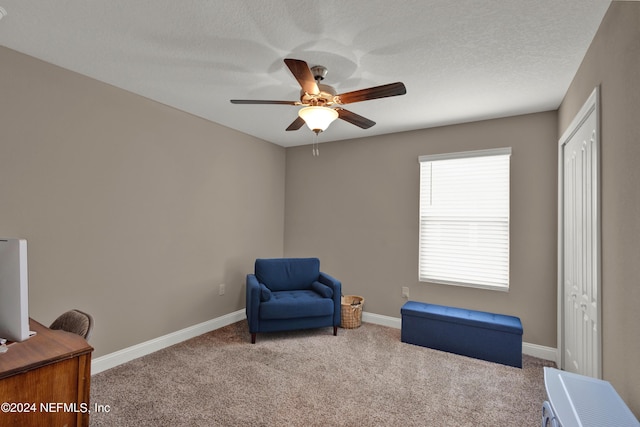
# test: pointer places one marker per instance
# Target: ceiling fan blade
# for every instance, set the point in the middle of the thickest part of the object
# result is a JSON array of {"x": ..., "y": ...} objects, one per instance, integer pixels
[
  {"x": 302, "y": 73},
  {"x": 391, "y": 89},
  {"x": 259, "y": 101},
  {"x": 297, "y": 124},
  {"x": 354, "y": 119}
]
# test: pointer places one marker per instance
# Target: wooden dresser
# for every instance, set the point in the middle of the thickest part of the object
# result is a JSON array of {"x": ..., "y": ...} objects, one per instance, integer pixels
[{"x": 44, "y": 381}]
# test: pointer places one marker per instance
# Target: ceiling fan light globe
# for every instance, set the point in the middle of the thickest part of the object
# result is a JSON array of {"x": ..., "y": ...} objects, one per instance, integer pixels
[{"x": 318, "y": 119}]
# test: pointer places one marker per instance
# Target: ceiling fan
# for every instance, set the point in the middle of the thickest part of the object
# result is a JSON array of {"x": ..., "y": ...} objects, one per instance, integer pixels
[{"x": 322, "y": 103}]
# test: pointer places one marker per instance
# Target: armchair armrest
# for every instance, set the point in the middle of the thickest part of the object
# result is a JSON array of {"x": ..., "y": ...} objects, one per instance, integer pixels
[
  {"x": 253, "y": 301},
  {"x": 332, "y": 282},
  {"x": 336, "y": 285}
]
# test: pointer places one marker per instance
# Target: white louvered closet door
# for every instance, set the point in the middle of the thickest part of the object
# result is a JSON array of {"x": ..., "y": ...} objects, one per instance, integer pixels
[{"x": 580, "y": 244}]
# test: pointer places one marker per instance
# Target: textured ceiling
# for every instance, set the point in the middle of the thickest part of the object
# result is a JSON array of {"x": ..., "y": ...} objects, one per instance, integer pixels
[{"x": 461, "y": 60}]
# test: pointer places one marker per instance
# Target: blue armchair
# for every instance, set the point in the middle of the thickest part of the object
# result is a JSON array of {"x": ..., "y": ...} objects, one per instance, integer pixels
[{"x": 288, "y": 294}]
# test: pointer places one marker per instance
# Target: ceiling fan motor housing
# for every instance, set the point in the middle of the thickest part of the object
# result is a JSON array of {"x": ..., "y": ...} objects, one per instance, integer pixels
[
  {"x": 326, "y": 94},
  {"x": 324, "y": 97}
]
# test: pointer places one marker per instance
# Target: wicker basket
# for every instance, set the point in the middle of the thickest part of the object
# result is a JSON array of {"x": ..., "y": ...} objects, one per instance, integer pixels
[{"x": 351, "y": 311}]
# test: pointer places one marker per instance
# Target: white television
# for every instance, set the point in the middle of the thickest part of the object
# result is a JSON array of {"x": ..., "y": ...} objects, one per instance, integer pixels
[{"x": 14, "y": 290}]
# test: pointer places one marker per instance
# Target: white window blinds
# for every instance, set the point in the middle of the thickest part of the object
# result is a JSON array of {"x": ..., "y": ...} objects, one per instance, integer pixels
[{"x": 464, "y": 218}]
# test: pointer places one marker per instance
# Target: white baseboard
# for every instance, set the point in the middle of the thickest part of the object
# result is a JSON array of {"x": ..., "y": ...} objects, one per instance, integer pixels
[
  {"x": 535, "y": 350},
  {"x": 540, "y": 351},
  {"x": 379, "y": 319},
  {"x": 119, "y": 357}
]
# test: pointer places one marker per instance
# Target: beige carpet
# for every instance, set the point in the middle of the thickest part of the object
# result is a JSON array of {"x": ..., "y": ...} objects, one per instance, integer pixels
[{"x": 362, "y": 377}]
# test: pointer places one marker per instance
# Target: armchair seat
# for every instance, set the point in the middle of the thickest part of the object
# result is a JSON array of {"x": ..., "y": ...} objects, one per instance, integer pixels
[
  {"x": 286, "y": 294},
  {"x": 296, "y": 304}
]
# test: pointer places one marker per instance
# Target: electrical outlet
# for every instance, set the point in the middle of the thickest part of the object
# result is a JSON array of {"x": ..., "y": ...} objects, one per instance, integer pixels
[
  {"x": 405, "y": 292},
  {"x": 222, "y": 289}
]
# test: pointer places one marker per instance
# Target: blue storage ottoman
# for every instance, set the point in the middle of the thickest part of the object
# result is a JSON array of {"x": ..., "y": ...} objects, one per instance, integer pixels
[{"x": 487, "y": 336}]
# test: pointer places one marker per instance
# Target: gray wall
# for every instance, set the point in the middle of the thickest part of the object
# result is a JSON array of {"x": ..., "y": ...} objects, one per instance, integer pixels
[
  {"x": 356, "y": 207},
  {"x": 613, "y": 63},
  {"x": 133, "y": 211}
]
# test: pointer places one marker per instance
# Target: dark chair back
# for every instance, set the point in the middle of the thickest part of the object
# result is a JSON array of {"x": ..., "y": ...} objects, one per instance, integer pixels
[{"x": 75, "y": 321}]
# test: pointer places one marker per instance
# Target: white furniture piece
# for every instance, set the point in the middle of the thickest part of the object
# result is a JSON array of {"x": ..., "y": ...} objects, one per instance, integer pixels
[
  {"x": 576, "y": 400},
  {"x": 14, "y": 290}
]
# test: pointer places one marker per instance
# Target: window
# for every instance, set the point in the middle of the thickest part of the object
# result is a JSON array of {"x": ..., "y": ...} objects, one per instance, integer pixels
[{"x": 464, "y": 219}]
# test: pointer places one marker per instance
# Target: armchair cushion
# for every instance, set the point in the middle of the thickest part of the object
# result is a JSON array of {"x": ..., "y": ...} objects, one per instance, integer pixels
[
  {"x": 265, "y": 293},
  {"x": 323, "y": 290},
  {"x": 285, "y": 274},
  {"x": 295, "y": 305}
]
